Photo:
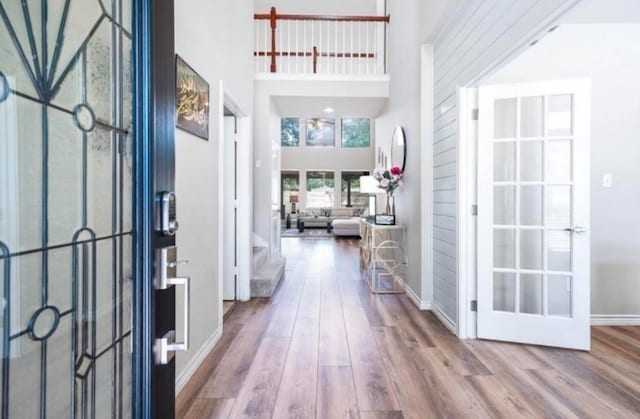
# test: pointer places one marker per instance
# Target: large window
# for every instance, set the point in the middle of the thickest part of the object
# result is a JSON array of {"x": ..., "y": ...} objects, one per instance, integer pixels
[
  {"x": 290, "y": 132},
  {"x": 320, "y": 189},
  {"x": 356, "y": 132},
  {"x": 351, "y": 196},
  {"x": 321, "y": 132},
  {"x": 290, "y": 192}
]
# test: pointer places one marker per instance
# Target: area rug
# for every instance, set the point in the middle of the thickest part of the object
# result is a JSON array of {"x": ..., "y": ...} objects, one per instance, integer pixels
[{"x": 316, "y": 233}]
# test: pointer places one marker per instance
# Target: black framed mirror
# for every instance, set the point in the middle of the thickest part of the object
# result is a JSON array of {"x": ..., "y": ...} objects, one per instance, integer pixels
[{"x": 399, "y": 148}]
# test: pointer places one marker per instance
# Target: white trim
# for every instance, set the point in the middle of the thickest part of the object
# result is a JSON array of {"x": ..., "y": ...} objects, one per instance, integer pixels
[
  {"x": 449, "y": 324},
  {"x": 426, "y": 172},
  {"x": 420, "y": 303},
  {"x": 615, "y": 320},
  {"x": 197, "y": 360}
]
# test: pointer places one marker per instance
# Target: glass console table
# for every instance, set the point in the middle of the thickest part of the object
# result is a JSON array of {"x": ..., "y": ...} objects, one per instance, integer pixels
[{"x": 382, "y": 257}]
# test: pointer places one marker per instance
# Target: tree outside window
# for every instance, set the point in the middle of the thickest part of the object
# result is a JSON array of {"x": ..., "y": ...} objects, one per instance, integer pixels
[
  {"x": 290, "y": 132},
  {"x": 356, "y": 132},
  {"x": 320, "y": 190},
  {"x": 321, "y": 132},
  {"x": 351, "y": 196}
]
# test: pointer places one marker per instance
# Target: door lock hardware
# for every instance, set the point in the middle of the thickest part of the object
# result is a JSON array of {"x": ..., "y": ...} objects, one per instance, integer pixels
[
  {"x": 166, "y": 277},
  {"x": 166, "y": 221},
  {"x": 577, "y": 229}
]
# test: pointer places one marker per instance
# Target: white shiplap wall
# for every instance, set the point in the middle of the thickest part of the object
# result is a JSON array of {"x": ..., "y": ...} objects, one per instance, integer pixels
[{"x": 480, "y": 34}]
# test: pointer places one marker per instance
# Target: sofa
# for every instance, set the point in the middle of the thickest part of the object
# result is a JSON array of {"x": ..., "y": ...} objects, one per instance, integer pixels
[{"x": 324, "y": 217}]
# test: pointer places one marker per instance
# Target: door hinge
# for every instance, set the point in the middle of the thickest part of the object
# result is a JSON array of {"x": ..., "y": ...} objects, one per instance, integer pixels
[
  {"x": 474, "y": 305},
  {"x": 474, "y": 210},
  {"x": 236, "y": 270},
  {"x": 475, "y": 113}
]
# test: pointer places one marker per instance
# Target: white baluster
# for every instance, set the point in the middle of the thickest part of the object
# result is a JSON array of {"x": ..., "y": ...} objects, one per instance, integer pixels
[{"x": 351, "y": 48}]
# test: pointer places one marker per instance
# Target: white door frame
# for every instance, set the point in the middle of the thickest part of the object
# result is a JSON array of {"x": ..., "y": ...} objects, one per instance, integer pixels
[
  {"x": 467, "y": 178},
  {"x": 245, "y": 195}
]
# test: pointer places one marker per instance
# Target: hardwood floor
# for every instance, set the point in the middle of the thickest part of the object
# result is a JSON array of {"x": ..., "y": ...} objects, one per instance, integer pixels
[{"x": 325, "y": 347}]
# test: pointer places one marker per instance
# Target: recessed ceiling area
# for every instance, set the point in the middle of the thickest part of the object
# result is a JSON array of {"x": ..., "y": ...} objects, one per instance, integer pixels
[{"x": 300, "y": 106}]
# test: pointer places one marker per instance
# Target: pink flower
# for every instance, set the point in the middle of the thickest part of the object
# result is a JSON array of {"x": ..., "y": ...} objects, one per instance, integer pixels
[
  {"x": 384, "y": 183},
  {"x": 395, "y": 170}
]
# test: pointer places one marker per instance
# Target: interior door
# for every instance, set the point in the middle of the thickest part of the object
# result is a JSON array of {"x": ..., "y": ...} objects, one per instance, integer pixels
[
  {"x": 230, "y": 210},
  {"x": 533, "y": 213},
  {"x": 77, "y": 182}
]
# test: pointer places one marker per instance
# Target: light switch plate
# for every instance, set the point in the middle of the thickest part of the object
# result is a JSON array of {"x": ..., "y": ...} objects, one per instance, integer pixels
[{"x": 607, "y": 180}]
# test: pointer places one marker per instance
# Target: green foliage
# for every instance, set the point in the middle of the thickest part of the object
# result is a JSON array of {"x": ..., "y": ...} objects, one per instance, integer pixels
[
  {"x": 320, "y": 180},
  {"x": 290, "y": 132},
  {"x": 290, "y": 184},
  {"x": 356, "y": 132}
]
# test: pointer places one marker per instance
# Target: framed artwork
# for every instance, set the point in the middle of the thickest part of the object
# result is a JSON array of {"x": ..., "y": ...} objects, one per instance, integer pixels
[
  {"x": 192, "y": 100},
  {"x": 321, "y": 132}
]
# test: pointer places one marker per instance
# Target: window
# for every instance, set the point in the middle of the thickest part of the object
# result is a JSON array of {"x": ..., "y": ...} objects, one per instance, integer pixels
[
  {"x": 356, "y": 132},
  {"x": 321, "y": 132},
  {"x": 290, "y": 191},
  {"x": 351, "y": 196},
  {"x": 290, "y": 132},
  {"x": 320, "y": 189}
]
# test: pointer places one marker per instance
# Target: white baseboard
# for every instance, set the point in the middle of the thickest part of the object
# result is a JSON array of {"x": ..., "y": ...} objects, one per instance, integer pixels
[
  {"x": 421, "y": 304},
  {"x": 197, "y": 360},
  {"x": 445, "y": 320},
  {"x": 615, "y": 320}
]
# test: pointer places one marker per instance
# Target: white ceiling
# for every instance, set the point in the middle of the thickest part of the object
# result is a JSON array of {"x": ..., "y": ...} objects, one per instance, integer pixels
[
  {"x": 575, "y": 50},
  {"x": 302, "y": 106},
  {"x": 604, "y": 11}
]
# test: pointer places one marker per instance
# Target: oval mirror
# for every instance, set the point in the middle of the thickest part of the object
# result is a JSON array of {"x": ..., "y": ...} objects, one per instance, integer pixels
[{"x": 398, "y": 148}]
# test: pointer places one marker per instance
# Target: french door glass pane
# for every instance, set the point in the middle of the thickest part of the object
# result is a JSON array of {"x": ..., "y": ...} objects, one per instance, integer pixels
[
  {"x": 559, "y": 161},
  {"x": 559, "y": 251},
  {"x": 65, "y": 198},
  {"x": 559, "y": 206},
  {"x": 504, "y": 161},
  {"x": 560, "y": 115},
  {"x": 531, "y": 161},
  {"x": 504, "y": 291},
  {"x": 531, "y": 293},
  {"x": 504, "y": 245},
  {"x": 504, "y": 206},
  {"x": 531, "y": 205},
  {"x": 559, "y": 295},
  {"x": 531, "y": 119},
  {"x": 531, "y": 249},
  {"x": 505, "y": 114}
]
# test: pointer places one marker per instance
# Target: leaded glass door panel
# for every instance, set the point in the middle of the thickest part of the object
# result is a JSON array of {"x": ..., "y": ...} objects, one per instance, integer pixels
[
  {"x": 533, "y": 213},
  {"x": 66, "y": 170}
]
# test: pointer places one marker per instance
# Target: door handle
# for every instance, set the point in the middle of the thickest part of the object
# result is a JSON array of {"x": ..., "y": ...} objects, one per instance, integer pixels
[
  {"x": 576, "y": 229},
  {"x": 166, "y": 277}
]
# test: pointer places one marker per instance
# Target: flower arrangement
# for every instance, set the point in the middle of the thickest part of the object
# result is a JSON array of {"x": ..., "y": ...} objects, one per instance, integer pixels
[{"x": 389, "y": 180}]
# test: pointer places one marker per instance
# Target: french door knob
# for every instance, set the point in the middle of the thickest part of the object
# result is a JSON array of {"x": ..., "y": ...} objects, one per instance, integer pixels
[{"x": 577, "y": 229}]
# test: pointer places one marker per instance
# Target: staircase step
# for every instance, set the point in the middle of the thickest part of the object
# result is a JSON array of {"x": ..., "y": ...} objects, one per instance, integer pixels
[
  {"x": 266, "y": 278},
  {"x": 259, "y": 257}
]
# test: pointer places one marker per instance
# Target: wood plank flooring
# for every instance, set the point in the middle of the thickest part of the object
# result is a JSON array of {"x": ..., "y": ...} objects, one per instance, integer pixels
[{"x": 324, "y": 347}]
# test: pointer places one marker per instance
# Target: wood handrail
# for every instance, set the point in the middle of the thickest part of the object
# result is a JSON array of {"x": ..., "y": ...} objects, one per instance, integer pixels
[{"x": 267, "y": 16}]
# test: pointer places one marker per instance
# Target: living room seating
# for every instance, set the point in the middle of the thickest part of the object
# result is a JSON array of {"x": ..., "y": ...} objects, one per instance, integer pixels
[
  {"x": 346, "y": 227},
  {"x": 326, "y": 217}
]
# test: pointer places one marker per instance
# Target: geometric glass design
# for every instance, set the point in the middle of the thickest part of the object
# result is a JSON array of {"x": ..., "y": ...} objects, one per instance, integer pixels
[{"x": 66, "y": 193}]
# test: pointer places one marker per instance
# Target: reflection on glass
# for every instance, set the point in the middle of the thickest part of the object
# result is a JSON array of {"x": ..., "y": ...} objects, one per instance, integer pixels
[
  {"x": 504, "y": 244},
  {"x": 559, "y": 251},
  {"x": 504, "y": 118},
  {"x": 559, "y": 161},
  {"x": 531, "y": 116},
  {"x": 530, "y": 294},
  {"x": 531, "y": 249},
  {"x": 531, "y": 161},
  {"x": 531, "y": 208},
  {"x": 504, "y": 162},
  {"x": 504, "y": 291},
  {"x": 559, "y": 295},
  {"x": 559, "y": 206},
  {"x": 504, "y": 205},
  {"x": 560, "y": 115},
  {"x": 321, "y": 132}
]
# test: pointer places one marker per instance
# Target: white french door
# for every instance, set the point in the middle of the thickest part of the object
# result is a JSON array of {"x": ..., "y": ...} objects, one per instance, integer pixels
[{"x": 533, "y": 192}]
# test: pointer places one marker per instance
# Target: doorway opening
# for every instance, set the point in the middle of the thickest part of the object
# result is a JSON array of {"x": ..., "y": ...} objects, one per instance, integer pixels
[
  {"x": 557, "y": 233},
  {"x": 230, "y": 212}
]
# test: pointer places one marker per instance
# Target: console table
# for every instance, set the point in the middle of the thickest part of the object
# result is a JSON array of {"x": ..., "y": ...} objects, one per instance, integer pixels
[{"x": 382, "y": 257}]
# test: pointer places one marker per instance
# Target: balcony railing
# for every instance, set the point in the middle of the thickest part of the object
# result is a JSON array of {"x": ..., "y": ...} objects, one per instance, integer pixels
[{"x": 312, "y": 44}]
